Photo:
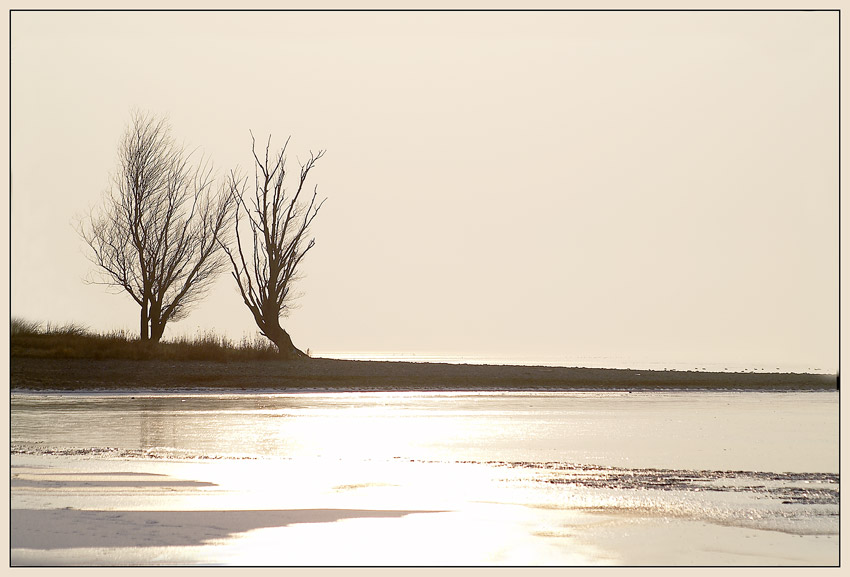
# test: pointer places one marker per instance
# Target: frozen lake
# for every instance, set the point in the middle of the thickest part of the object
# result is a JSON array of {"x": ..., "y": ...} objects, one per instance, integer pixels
[{"x": 426, "y": 478}]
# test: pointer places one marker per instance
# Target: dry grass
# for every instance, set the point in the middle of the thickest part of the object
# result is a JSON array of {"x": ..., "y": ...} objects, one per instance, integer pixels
[{"x": 76, "y": 341}]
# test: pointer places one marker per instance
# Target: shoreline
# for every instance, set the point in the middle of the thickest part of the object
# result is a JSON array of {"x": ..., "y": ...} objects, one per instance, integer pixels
[{"x": 48, "y": 374}]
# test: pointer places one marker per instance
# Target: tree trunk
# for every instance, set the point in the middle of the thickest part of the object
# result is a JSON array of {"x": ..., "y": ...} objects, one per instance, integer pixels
[
  {"x": 156, "y": 330},
  {"x": 157, "y": 324},
  {"x": 285, "y": 348},
  {"x": 143, "y": 324}
]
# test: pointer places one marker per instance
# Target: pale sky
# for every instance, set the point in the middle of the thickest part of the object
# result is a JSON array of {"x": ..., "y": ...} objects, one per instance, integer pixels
[{"x": 659, "y": 187}]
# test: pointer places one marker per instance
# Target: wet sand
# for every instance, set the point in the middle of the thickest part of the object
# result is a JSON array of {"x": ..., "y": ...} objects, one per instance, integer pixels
[
  {"x": 177, "y": 522},
  {"x": 82, "y": 374}
]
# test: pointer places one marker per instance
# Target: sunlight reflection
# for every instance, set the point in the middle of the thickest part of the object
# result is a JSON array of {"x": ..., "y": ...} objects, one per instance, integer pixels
[
  {"x": 418, "y": 478},
  {"x": 486, "y": 534},
  {"x": 466, "y": 513}
]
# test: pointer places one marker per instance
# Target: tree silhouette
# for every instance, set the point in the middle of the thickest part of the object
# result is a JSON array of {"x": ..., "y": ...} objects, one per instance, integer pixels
[
  {"x": 265, "y": 265},
  {"x": 159, "y": 233}
]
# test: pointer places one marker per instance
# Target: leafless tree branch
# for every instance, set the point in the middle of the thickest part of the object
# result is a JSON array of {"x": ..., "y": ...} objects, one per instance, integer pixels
[
  {"x": 160, "y": 232},
  {"x": 278, "y": 225}
]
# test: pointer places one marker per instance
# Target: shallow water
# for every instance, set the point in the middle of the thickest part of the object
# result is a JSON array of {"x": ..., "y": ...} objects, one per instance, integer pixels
[{"x": 538, "y": 472}]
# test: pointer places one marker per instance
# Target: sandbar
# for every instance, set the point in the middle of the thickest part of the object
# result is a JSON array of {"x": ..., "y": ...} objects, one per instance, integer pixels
[{"x": 333, "y": 374}]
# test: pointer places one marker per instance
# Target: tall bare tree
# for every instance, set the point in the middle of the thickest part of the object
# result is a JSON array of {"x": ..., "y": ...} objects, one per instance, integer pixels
[
  {"x": 159, "y": 231},
  {"x": 265, "y": 264}
]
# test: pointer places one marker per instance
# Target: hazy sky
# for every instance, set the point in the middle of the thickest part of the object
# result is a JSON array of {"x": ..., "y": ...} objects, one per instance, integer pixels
[{"x": 660, "y": 187}]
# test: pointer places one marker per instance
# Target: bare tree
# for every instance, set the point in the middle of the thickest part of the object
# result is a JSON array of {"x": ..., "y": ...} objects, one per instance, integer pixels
[
  {"x": 158, "y": 234},
  {"x": 265, "y": 265}
]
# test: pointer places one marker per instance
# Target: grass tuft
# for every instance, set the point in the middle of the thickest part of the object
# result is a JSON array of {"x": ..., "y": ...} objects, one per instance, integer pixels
[
  {"x": 73, "y": 340},
  {"x": 22, "y": 327}
]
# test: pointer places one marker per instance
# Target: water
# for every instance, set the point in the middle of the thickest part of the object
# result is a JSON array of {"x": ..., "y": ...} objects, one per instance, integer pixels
[{"x": 568, "y": 478}]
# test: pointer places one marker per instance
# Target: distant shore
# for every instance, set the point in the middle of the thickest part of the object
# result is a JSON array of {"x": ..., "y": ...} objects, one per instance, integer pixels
[{"x": 345, "y": 375}]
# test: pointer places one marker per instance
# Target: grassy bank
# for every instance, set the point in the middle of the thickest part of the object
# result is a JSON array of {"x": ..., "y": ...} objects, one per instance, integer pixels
[{"x": 30, "y": 339}]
